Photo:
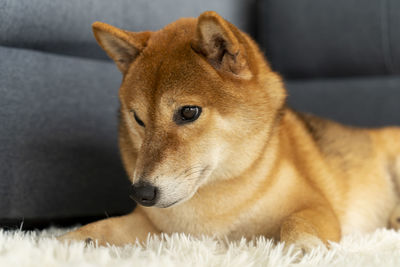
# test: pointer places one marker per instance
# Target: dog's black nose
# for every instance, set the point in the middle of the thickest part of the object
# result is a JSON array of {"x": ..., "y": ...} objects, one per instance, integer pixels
[{"x": 144, "y": 193}]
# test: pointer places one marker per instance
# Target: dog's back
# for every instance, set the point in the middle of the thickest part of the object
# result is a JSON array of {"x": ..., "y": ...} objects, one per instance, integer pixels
[{"x": 365, "y": 165}]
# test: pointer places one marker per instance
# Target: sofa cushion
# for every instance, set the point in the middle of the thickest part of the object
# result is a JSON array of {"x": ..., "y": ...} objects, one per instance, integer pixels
[
  {"x": 58, "y": 137},
  {"x": 369, "y": 101},
  {"x": 326, "y": 38},
  {"x": 65, "y": 26}
]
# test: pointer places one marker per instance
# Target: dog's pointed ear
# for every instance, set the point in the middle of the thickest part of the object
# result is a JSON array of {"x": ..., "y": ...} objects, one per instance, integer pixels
[
  {"x": 218, "y": 41},
  {"x": 122, "y": 46}
]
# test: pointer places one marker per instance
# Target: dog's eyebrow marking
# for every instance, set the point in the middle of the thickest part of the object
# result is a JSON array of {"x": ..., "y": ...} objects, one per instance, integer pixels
[{"x": 171, "y": 101}]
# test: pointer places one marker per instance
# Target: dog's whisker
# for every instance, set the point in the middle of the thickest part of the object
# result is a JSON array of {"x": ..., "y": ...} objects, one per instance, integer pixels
[
  {"x": 191, "y": 168},
  {"x": 190, "y": 174},
  {"x": 185, "y": 172}
]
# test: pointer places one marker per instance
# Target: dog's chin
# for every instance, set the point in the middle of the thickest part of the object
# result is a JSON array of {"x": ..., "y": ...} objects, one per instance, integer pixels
[{"x": 168, "y": 204}]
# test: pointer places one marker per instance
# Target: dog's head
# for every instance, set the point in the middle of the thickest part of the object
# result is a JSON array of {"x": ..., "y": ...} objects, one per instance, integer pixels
[{"x": 198, "y": 103}]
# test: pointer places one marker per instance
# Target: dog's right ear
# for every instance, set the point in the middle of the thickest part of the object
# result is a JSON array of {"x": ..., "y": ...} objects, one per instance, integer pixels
[
  {"x": 217, "y": 42},
  {"x": 122, "y": 46}
]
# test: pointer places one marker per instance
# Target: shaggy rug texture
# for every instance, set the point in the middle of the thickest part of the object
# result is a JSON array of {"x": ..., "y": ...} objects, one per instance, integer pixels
[{"x": 40, "y": 248}]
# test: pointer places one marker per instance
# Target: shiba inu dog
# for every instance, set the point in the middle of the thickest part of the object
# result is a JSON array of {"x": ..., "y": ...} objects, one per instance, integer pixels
[{"x": 211, "y": 148}]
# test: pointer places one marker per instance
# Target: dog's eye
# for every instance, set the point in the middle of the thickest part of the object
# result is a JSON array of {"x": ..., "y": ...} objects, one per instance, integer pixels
[
  {"x": 139, "y": 121},
  {"x": 187, "y": 114}
]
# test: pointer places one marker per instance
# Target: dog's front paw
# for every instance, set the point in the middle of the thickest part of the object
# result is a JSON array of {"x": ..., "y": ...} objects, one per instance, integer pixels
[
  {"x": 306, "y": 243},
  {"x": 80, "y": 236}
]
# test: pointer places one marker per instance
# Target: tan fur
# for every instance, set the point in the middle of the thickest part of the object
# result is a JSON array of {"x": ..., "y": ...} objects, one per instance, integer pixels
[{"x": 249, "y": 165}]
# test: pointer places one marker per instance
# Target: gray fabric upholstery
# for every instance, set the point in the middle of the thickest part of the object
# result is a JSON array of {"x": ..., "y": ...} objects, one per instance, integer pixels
[
  {"x": 64, "y": 27},
  {"x": 340, "y": 59},
  {"x": 367, "y": 101},
  {"x": 308, "y": 38},
  {"x": 58, "y": 137},
  {"x": 58, "y": 105}
]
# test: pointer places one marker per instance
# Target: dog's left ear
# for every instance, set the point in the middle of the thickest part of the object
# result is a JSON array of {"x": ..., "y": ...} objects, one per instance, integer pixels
[
  {"x": 122, "y": 46},
  {"x": 218, "y": 41}
]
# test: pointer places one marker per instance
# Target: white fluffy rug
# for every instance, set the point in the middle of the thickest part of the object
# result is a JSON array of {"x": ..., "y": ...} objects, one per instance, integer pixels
[{"x": 21, "y": 249}]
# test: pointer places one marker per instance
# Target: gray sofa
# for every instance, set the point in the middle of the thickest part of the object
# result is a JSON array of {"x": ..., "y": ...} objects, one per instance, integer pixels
[
  {"x": 341, "y": 58},
  {"x": 59, "y": 159}
]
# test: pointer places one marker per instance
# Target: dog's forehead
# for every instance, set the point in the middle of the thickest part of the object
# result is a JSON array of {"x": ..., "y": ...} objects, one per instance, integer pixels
[
  {"x": 168, "y": 68},
  {"x": 167, "y": 83}
]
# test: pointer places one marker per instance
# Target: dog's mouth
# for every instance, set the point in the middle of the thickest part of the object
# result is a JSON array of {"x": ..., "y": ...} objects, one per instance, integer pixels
[
  {"x": 164, "y": 206},
  {"x": 202, "y": 175}
]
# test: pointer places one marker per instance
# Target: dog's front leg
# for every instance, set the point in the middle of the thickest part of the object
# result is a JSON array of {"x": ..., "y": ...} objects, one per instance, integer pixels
[
  {"x": 309, "y": 228},
  {"x": 115, "y": 231}
]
